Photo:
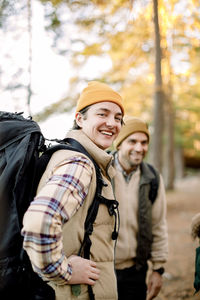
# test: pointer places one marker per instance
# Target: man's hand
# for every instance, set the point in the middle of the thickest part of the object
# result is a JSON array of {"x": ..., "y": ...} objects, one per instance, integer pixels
[
  {"x": 154, "y": 285},
  {"x": 84, "y": 271}
]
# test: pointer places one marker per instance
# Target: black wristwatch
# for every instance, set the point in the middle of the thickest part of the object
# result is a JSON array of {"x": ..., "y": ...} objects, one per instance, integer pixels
[{"x": 160, "y": 270}]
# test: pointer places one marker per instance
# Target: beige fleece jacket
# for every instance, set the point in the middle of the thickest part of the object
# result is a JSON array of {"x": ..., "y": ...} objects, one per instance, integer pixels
[{"x": 127, "y": 196}]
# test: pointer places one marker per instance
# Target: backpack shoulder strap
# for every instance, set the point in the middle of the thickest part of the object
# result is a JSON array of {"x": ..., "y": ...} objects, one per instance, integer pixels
[
  {"x": 65, "y": 144},
  {"x": 93, "y": 209},
  {"x": 154, "y": 184}
]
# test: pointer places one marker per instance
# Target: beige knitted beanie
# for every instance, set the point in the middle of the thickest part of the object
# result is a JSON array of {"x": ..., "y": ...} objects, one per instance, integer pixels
[{"x": 131, "y": 125}]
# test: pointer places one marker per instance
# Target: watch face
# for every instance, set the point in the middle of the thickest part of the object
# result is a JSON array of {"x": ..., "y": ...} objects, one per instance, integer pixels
[{"x": 160, "y": 270}]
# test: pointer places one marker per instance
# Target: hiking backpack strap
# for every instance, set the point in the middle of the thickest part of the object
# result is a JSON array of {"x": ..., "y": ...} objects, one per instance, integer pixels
[{"x": 154, "y": 184}]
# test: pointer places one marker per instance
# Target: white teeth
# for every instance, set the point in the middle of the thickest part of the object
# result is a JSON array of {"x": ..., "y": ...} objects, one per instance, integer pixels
[{"x": 107, "y": 133}]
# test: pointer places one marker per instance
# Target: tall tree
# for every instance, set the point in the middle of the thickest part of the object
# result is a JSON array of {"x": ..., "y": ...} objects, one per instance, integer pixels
[
  {"x": 168, "y": 165},
  {"x": 157, "y": 138},
  {"x": 29, "y": 86}
]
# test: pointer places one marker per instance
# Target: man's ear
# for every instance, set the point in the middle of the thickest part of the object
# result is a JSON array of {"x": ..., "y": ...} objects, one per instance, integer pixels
[
  {"x": 118, "y": 147},
  {"x": 79, "y": 119}
]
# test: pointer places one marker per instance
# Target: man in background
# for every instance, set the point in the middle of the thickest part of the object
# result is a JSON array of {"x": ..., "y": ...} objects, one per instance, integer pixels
[{"x": 139, "y": 189}]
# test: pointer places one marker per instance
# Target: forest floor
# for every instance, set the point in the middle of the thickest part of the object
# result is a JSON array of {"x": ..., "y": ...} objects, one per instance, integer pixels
[{"x": 182, "y": 204}]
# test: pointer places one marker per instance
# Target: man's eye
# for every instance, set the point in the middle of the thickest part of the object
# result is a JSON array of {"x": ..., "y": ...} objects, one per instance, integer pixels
[
  {"x": 118, "y": 119},
  {"x": 101, "y": 114}
]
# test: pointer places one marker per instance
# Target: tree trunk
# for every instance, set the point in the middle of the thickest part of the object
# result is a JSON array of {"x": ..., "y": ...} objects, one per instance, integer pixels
[
  {"x": 169, "y": 143},
  {"x": 29, "y": 88},
  {"x": 157, "y": 136},
  {"x": 179, "y": 163}
]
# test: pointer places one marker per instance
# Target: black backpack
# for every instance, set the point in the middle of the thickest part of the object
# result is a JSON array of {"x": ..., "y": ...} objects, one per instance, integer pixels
[{"x": 23, "y": 159}]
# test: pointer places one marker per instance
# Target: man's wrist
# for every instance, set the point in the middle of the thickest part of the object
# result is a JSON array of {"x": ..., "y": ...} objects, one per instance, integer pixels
[{"x": 160, "y": 270}]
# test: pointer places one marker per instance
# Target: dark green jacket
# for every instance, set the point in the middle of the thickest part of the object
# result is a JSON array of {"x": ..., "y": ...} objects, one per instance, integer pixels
[{"x": 149, "y": 183}]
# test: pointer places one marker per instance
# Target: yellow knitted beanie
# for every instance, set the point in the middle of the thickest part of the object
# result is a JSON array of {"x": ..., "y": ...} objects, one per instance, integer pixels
[
  {"x": 98, "y": 92},
  {"x": 131, "y": 125}
]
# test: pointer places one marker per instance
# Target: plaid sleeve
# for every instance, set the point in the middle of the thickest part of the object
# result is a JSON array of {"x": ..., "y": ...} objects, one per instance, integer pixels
[{"x": 54, "y": 205}]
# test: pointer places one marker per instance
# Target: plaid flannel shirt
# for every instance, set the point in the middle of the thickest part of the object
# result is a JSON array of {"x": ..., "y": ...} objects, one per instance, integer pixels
[{"x": 54, "y": 205}]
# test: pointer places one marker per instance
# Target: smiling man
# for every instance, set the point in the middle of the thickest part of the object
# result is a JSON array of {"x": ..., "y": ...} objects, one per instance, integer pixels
[
  {"x": 139, "y": 189},
  {"x": 54, "y": 223}
]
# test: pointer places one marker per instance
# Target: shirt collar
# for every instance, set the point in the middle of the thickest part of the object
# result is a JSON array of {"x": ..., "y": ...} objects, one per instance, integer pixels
[{"x": 128, "y": 176}]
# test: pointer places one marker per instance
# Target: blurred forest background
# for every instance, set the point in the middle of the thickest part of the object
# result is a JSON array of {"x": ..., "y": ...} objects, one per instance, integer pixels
[{"x": 148, "y": 50}]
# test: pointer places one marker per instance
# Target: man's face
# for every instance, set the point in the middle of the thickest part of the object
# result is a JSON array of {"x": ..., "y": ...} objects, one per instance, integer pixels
[
  {"x": 101, "y": 123},
  {"x": 132, "y": 150}
]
